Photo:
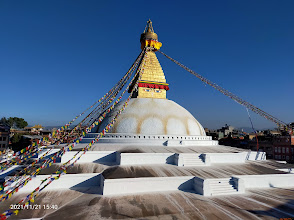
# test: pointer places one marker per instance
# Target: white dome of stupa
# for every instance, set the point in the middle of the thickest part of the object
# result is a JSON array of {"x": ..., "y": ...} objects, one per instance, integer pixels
[{"x": 153, "y": 116}]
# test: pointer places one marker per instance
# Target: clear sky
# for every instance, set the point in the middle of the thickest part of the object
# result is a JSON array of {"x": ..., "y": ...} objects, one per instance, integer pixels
[{"x": 57, "y": 57}]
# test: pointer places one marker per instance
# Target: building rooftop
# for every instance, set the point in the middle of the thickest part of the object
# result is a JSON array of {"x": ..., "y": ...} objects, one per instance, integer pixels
[{"x": 32, "y": 136}]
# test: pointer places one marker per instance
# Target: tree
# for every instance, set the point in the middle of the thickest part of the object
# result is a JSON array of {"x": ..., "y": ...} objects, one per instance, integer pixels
[
  {"x": 14, "y": 122},
  {"x": 16, "y": 138},
  {"x": 18, "y": 142},
  {"x": 3, "y": 120}
]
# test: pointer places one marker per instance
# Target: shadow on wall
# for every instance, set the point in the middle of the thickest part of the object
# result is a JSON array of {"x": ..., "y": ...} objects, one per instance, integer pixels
[
  {"x": 131, "y": 150},
  {"x": 109, "y": 159},
  {"x": 90, "y": 186},
  {"x": 116, "y": 172},
  {"x": 187, "y": 186},
  {"x": 202, "y": 157},
  {"x": 258, "y": 154},
  {"x": 263, "y": 155},
  {"x": 170, "y": 160}
]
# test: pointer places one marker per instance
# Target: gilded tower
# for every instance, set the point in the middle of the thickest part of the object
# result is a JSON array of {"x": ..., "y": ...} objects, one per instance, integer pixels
[{"x": 153, "y": 83}]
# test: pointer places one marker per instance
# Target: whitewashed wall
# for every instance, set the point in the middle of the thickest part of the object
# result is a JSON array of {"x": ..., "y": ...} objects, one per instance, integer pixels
[
  {"x": 226, "y": 157},
  {"x": 266, "y": 181},
  {"x": 149, "y": 184},
  {"x": 66, "y": 181},
  {"x": 91, "y": 156},
  {"x": 160, "y": 158},
  {"x": 235, "y": 157},
  {"x": 147, "y": 158}
]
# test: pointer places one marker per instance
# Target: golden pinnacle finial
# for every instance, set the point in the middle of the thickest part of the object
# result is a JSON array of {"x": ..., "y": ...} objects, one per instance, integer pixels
[
  {"x": 149, "y": 27},
  {"x": 149, "y": 38},
  {"x": 148, "y": 33}
]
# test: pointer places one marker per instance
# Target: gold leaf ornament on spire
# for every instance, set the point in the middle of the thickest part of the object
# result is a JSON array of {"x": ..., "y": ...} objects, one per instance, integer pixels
[{"x": 149, "y": 38}]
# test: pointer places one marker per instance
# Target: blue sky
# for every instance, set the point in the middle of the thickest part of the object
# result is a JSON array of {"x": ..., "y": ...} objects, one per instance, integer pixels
[{"x": 58, "y": 57}]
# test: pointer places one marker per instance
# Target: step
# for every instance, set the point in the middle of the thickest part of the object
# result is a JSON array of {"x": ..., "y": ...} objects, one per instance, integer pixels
[
  {"x": 193, "y": 161},
  {"x": 200, "y": 161},
  {"x": 223, "y": 189},
  {"x": 220, "y": 181},
  {"x": 192, "y": 158},
  {"x": 220, "y": 186},
  {"x": 193, "y": 165},
  {"x": 224, "y": 193},
  {"x": 197, "y": 164}
]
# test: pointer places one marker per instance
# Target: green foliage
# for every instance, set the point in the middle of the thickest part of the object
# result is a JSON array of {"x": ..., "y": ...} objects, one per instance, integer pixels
[
  {"x": 3, "y": 120},
  {"x": 19, "y": 143},
  {"x": 16, "y": 138},
  {"x": 14, "y": 122}
]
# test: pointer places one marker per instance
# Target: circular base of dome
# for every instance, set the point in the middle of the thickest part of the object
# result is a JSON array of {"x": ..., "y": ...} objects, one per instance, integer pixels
[{"x": 158, "y": 140}]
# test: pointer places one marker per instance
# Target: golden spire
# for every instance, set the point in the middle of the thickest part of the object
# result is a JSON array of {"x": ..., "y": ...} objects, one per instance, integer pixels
[{"x": 153, "y": 83}]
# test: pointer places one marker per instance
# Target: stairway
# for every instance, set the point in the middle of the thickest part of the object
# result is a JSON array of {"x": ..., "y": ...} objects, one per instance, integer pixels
[
  {"x": 192, "y": 160},
  {"x": 223, "y": 186}
]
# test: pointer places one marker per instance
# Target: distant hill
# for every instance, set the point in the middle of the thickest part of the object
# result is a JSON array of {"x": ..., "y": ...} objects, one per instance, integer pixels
[
  {"x": 249, "y": 129},
  {"x": 56, "y": 126}
]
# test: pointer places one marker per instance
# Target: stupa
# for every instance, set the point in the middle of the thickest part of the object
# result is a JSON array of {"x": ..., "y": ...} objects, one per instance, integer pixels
[
  {"x": 158, "y": 163},
  {"x": 152, "y": 118}
]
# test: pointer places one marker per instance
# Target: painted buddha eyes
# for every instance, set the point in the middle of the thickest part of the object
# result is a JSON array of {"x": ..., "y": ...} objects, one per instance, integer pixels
[{"x": 155, "y": 90}]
